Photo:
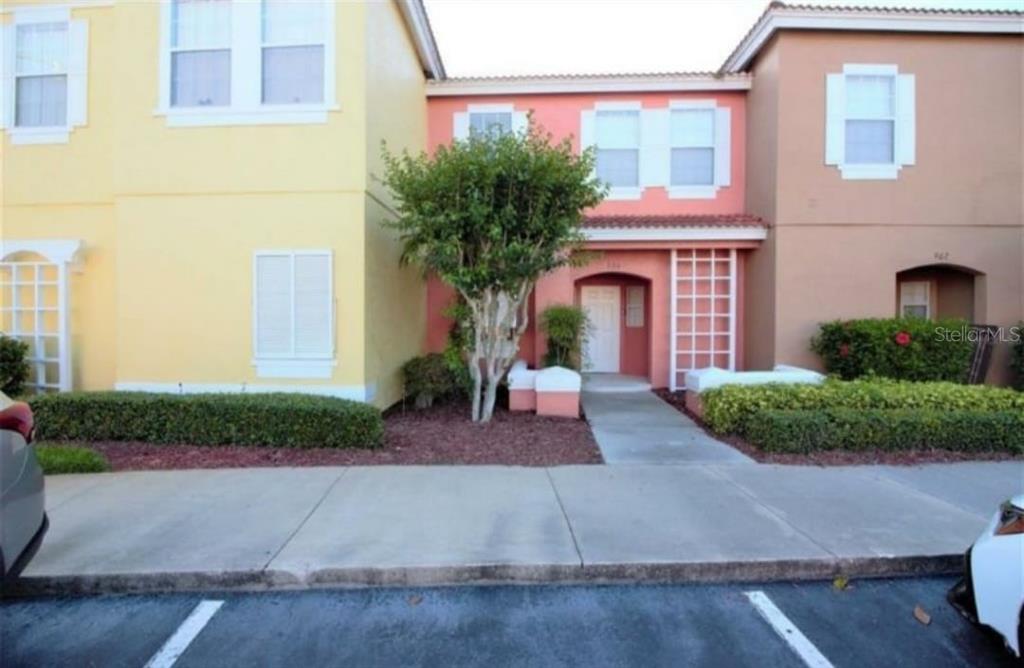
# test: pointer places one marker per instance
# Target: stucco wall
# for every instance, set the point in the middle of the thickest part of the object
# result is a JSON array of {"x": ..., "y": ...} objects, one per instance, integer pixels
[
  {"x": 837, "y": 245},
  {"x": 560, "y": 115},
  {"x": 396, "y": 113},
  {"x": 762, "y": 170}
]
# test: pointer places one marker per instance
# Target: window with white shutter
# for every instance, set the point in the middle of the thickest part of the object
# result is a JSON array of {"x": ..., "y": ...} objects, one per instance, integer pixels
[
  {"x": 43, "y": 87},
  {"x": 693, "y": 147},
  {"x": 293, "y": 319},
  {"x": 492, "y": 119},
  {"x": 870, "y": 114},
  {"x": 617, "y": 134}
]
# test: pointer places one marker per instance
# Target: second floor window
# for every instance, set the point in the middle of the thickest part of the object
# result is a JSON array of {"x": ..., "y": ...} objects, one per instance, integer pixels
[
  {"x": 693, "y": 147},
  {"x": 243, "y": 62},
  {"x": 201, "y": 53},
  {"x": 490, "y": 122},
  {"x": 618, "y": 148},
  {"x": 870, "y": 119},
  {"x": 293, "y": 52},
  {"x": 41, "y": 75}
]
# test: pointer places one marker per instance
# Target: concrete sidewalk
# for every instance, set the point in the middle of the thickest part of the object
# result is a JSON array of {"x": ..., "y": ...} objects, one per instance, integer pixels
[
  {"x": 425, "y": 525},
  {"x": 640, "y": 428}
]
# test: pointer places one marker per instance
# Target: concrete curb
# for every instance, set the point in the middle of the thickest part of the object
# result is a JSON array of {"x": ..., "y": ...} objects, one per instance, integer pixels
[{"x": 525, "y": 574}]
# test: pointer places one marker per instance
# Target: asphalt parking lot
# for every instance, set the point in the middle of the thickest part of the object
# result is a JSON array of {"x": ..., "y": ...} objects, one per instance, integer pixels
[{"x": 871, "y": 623}]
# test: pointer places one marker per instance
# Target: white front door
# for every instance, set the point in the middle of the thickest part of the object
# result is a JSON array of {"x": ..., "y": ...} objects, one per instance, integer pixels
[{"x": 601, "y": 304}]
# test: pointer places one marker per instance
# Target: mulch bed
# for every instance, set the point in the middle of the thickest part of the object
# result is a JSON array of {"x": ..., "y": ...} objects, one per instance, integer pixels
[
  {"x": 837, "y": 457},
  {"x": 440, "y": 435}
]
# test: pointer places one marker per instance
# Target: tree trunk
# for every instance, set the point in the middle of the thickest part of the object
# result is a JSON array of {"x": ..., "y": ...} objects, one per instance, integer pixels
[
  {"x": 474, "y": 373},
  {"x": 499, "y": 319}
]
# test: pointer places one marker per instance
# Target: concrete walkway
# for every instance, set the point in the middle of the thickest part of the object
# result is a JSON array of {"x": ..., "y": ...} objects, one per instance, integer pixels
[
  {"x": 640, "y": 428},
  {"x": 309, "y": 527}
]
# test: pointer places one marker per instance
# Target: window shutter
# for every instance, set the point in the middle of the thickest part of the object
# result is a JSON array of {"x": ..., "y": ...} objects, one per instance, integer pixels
[
  {"x": 655, "y": 156},
  {"x": 588, "y": 132},
  {"x": 520, "y": 122},
  {"x": 78, "y": 69},
  {"x": 313, "y": 305},
  {"x": 6, "y": 75},
  {"x": 273, "y": 305},
  {"x": 460, "y": 127},
  {"x": 723, "y": 146},
  {"x": 835, "y": 119},
  {"x": 905, "y": 120}
]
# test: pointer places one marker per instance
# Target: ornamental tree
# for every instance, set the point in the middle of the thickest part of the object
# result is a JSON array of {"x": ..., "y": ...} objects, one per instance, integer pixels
[{"x": 489, "y": 215}]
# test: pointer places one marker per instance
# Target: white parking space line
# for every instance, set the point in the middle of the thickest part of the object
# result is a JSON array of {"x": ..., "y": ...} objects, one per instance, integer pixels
[
  {"x": 785, "y": 628},
  {"x": 186, "y": 633}
]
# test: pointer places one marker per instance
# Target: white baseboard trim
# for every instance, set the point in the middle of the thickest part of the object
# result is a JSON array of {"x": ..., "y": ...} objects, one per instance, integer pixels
[{"x": 364, "y": 393}]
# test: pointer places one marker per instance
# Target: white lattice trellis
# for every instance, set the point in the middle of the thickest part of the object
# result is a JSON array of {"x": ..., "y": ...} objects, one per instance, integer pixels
[{"x": 34, "y": 307}]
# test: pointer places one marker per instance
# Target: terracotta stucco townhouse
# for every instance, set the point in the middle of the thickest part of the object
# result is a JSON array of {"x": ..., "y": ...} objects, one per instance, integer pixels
[{"x": 843, "y": 163}]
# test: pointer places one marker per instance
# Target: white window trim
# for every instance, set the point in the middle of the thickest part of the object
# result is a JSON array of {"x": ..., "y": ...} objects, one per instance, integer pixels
[
  {"x": 635, "y": 316},
  {"x": 655, "y": 150},
  {"x": 883, "y": 171},
  {"x": 251, "y": 112},
  {"x": 460, "y": 119},
  {"x": 57, "y": 134},
  {"x": 691, "y": 191},
  {"x": 927, "y": 298},
  {"x": 294, "y": 365},
  {"x": 623, "y": 193}
]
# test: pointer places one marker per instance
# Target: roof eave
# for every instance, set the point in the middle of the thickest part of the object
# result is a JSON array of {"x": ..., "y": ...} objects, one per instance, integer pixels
[
  {"x": 587, "y": 84},
  {"x": 415, "y": 16},
  {"x": 776, "y": 19}
]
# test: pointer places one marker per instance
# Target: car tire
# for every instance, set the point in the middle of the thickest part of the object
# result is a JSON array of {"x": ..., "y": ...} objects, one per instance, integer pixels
[{"x": 1020, "y": 634}]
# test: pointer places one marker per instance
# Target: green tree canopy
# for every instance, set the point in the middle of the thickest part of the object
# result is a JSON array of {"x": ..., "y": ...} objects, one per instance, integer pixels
[{"x": 490, "y": 215}]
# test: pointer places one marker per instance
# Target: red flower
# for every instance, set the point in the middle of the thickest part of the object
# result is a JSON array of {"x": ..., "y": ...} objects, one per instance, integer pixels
[
  {"x": 844, "y": 349},
  {"x": 902, "y": 338}
]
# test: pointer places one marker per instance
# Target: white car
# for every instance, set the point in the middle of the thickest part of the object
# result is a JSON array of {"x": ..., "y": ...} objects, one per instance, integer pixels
[{"x": 992, "y": 589}]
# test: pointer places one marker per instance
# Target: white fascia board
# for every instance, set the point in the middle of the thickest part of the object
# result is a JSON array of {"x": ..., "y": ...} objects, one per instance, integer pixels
[
  {"x": 415, "y": 16},
  {"x": 879, "y": 21},
  {"x": 554, "y": 85},
  {"x": 752, "y": 233}
]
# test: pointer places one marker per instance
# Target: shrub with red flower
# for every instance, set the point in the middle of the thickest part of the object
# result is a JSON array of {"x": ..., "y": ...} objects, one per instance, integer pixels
[
  {"x": 844, "y": 349},
  {"x": 902, "y": 338}
]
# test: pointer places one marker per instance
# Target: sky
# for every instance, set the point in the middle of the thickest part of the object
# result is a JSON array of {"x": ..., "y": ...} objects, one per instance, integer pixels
[{"x": 515, "y": 37}]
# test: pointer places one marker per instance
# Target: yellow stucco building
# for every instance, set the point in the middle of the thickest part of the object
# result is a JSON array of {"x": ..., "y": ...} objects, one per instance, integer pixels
[{"x": 191, "y": 198}]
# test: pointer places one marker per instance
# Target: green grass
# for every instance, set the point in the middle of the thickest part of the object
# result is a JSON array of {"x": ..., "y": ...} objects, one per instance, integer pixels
[{"x": 57, "y": 459}]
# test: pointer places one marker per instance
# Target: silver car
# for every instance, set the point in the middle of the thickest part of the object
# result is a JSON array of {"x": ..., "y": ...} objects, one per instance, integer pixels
[{"x": 23, "y": 520}]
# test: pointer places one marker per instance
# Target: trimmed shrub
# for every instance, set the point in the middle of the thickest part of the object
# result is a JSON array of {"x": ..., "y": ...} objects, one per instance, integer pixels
[
  {"x": 1017, "y": 357},
  {"x": 566, "y": 328},
  {"x": 13, "y": 367},
  {"x": 804, "y": 431},
  {"x": 728, "y": 409},
  {"x": 902, "y": 348},
  {"x": 273, "y": 420},
  {"x": 58, "y": 459},
  {"x": 431, "y": 377}
]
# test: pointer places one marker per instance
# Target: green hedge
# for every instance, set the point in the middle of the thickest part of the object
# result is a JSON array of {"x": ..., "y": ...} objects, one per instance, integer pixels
[
  {"x": 902, "y": 348},
  {"x": 58, "y": 459},
  {"x": 804, "y": 431},
  {"x": 728, "y": 409},
  {"x": 277, "y": 420},
  {"x": 13, "y": 367}
]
